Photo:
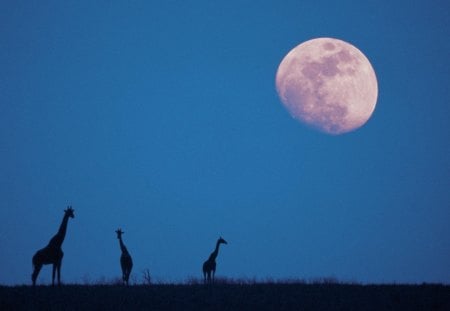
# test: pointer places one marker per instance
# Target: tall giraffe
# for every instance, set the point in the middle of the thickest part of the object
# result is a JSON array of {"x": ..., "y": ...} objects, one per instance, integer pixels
[
  {"x": 209, "y": 266},
  {"x": 52, "y": 253},
  {"x": 125, "y": 259}
]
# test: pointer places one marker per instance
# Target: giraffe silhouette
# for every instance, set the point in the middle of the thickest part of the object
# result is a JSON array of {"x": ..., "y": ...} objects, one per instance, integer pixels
[
  {"x": 52, "y": 253},
  {"x": 126, "y": 263},
  {"x": 209, "y": 266}
]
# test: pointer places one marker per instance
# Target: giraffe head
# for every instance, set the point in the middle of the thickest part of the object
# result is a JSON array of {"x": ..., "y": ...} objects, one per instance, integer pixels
[
  {"x": 221, "y": 240},
  {"x": 119, "y": 233},
  {"x": 69, "y": 212}
]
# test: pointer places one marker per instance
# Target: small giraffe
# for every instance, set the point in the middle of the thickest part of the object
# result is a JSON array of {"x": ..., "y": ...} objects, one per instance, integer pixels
[
  {"x": 52, "y": 253},
  {"x": 125, "y": 259},
  {"x": 210, "y": 264}
]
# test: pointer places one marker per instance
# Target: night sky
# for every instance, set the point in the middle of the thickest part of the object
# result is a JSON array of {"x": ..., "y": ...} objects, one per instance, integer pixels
[{"x": 162, "y": 118}]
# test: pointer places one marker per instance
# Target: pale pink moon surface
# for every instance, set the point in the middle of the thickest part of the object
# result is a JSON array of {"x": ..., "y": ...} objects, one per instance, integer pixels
[{"x": 328, "y": 84}]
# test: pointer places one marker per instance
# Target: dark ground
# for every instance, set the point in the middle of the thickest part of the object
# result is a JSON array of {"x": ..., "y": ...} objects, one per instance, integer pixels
[{"x": 227, "y": 297}]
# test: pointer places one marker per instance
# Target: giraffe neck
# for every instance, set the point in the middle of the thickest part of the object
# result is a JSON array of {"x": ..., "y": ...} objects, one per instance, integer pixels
[
  {"x": 122, "y": 246},
  {"x": 58, "y": 239},
  {"x": 214, "y": 254}
]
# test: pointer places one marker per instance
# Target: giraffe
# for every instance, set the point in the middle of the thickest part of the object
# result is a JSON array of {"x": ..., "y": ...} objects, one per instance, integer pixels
[
  {"x": 210, "y": 264},
  {"x": 52, "y": 253},
  {"x": 125, "y": 259}
]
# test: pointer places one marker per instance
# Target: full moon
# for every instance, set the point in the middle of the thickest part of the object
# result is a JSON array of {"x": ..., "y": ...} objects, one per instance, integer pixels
[{"x": 327, "y": 84}]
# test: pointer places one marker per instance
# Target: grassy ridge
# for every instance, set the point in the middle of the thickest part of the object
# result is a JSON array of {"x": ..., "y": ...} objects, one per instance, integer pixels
[{"x": 263, "y": 296}]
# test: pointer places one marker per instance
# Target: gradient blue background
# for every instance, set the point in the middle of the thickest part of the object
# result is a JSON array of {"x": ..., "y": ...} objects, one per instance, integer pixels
[{"x": 162, "y": 118}]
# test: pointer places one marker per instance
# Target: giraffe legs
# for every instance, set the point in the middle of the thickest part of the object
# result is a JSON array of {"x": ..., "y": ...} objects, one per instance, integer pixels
[
  {"x": 124, "y": 278},
  {"x": 126, "y": 275},
  {"x": 57, "y": 269},
  {"x": 37, "y": 269},
  {"x": 207, "y": 277},
  {"x": 58, "y": 272},
  {"x": 53, "y": 274}
]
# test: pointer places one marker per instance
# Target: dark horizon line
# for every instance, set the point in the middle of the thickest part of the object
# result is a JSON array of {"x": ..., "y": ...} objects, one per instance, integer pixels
[{"x": 233, "y": 281}]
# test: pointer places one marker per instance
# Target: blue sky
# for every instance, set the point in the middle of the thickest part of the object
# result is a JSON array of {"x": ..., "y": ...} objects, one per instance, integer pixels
[{"x": 162, "y": 118}]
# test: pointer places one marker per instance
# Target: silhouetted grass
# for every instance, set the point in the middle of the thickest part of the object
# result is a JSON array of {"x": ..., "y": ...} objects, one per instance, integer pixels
[{"x": 228, "y": 294}]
